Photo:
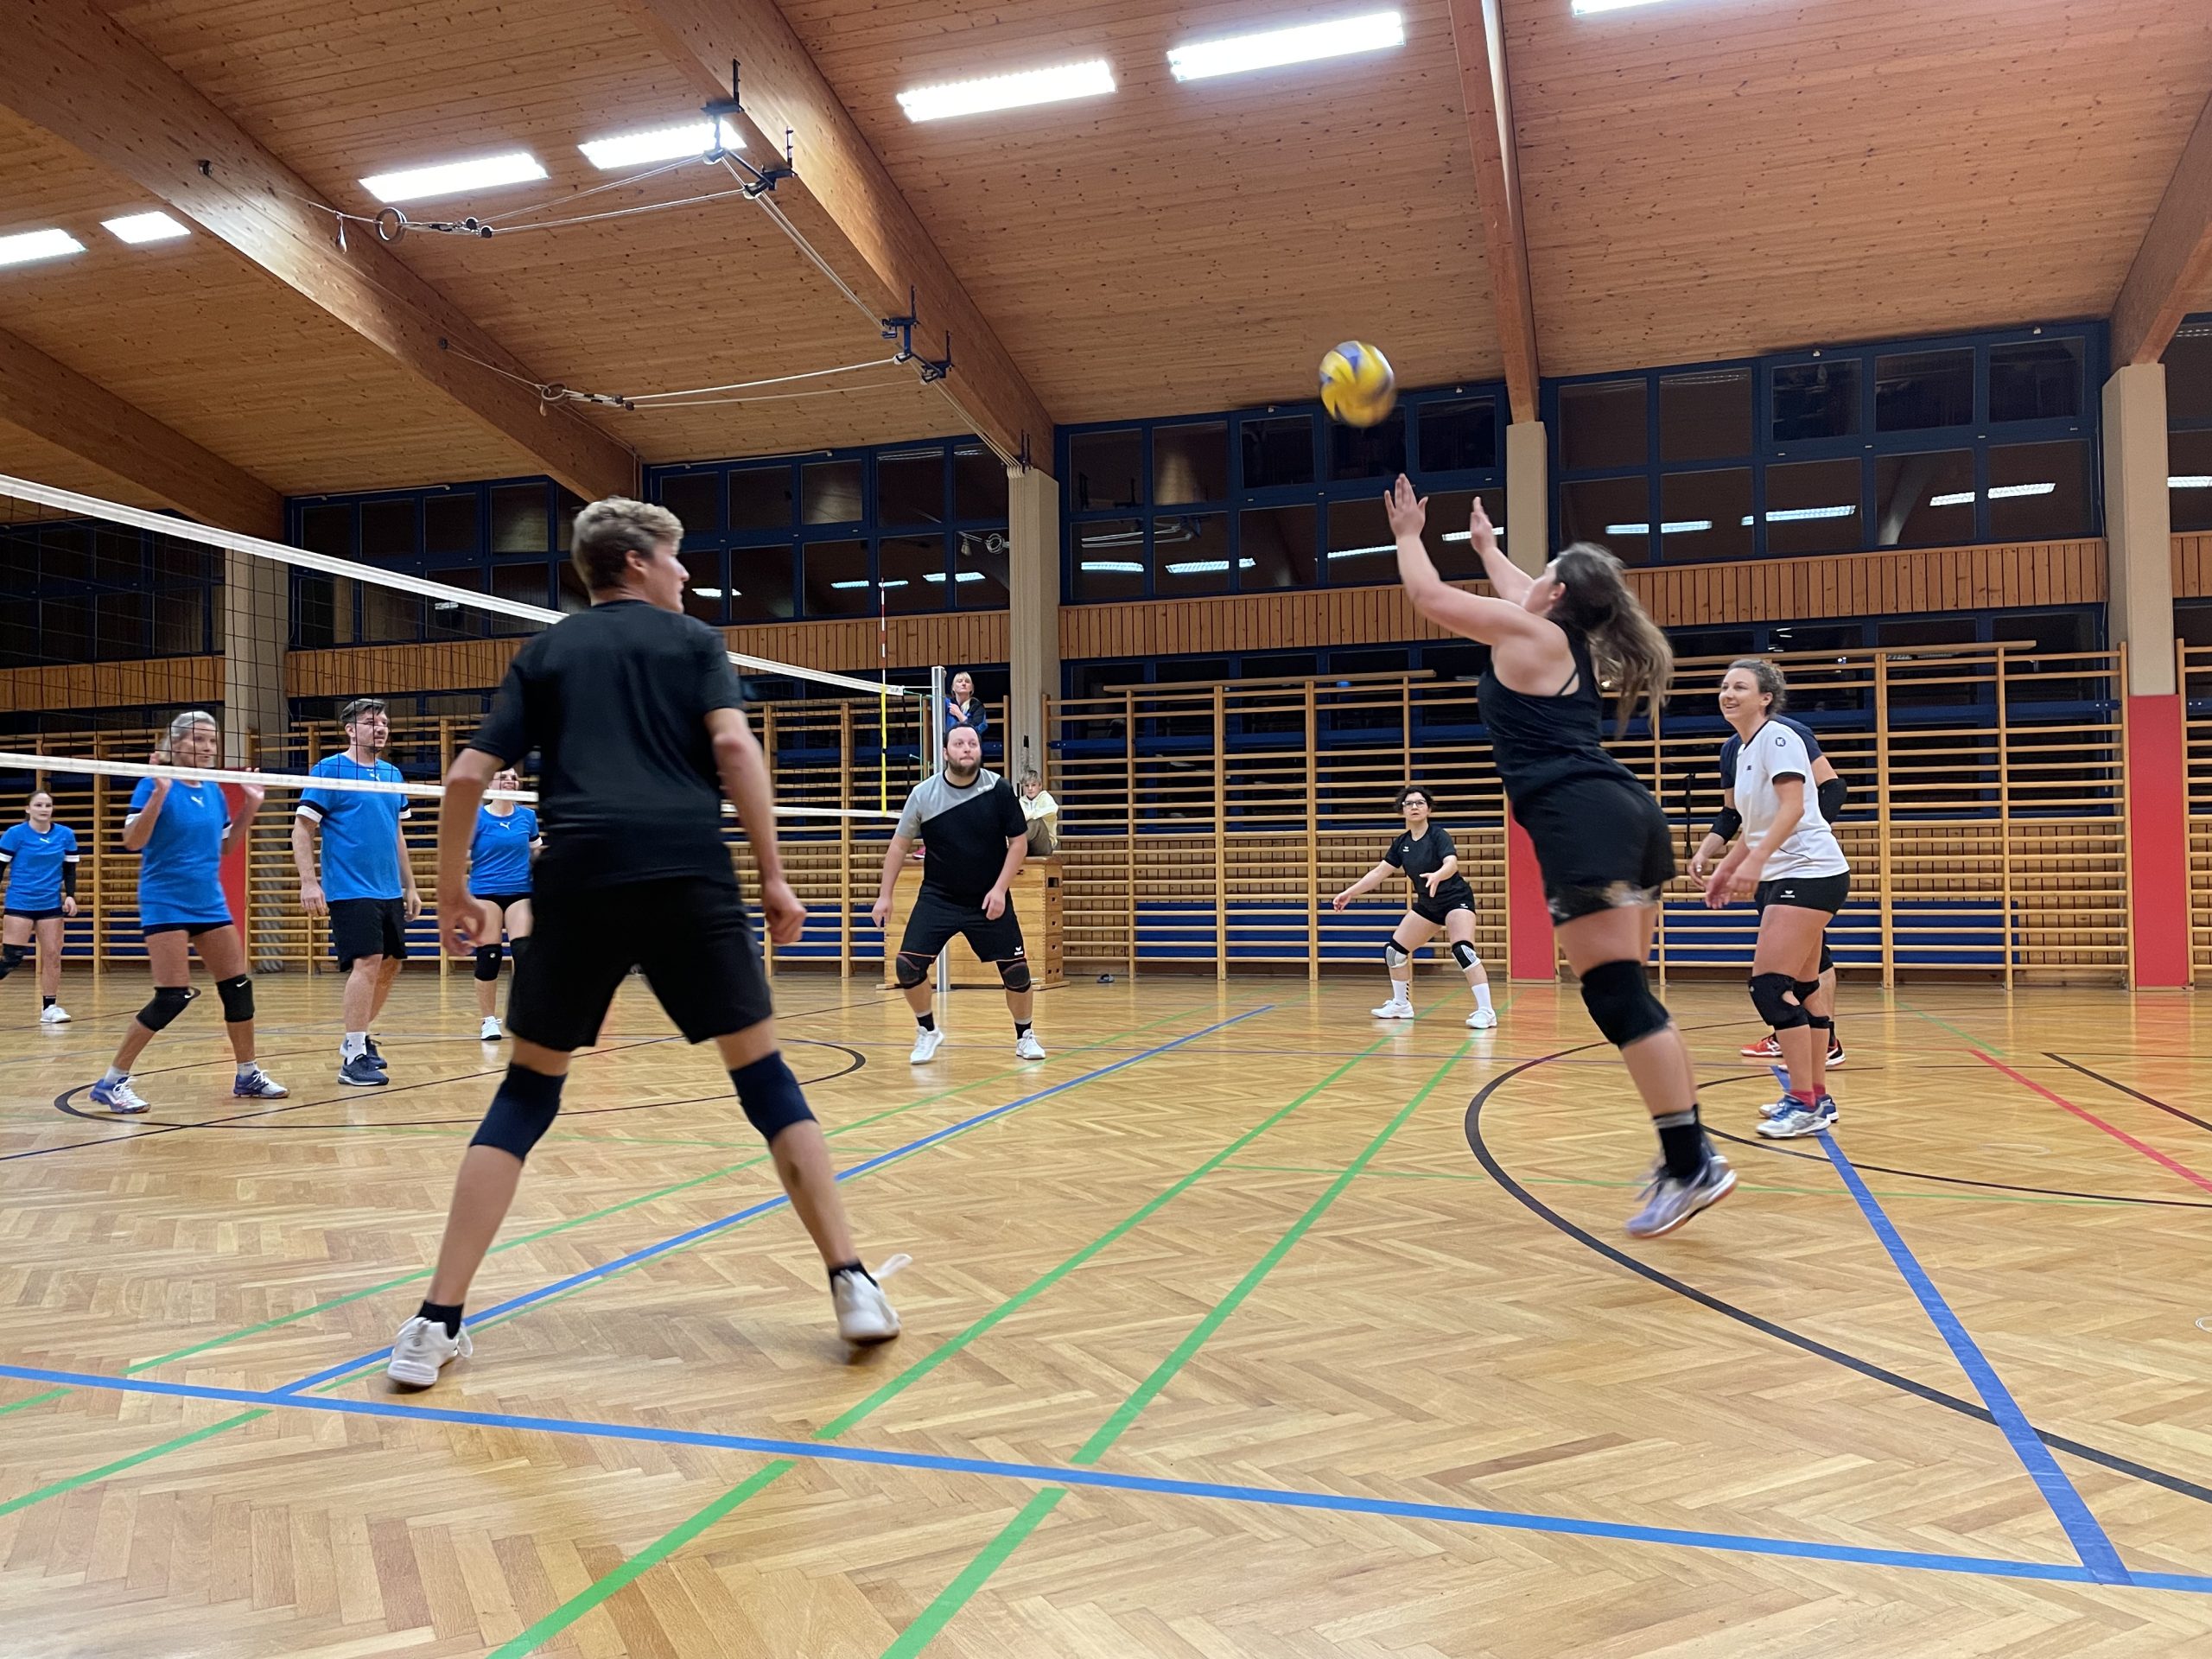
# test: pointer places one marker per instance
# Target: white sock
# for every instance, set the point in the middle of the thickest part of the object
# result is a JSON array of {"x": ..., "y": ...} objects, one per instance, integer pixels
[
  {"x": 355, "y": 1046},
  {"x": 246, "y": 1069},
  {"x": 1482, "y": 996},
  {"x": 114, "y": 1075},
  {"x": 1401, "y": 993}
]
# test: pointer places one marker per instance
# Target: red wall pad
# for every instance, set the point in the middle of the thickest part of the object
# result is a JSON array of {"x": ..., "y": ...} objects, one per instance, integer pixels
[
  {"x": 2157, "y": 842},
  {"x": 1529, "y": 953}
]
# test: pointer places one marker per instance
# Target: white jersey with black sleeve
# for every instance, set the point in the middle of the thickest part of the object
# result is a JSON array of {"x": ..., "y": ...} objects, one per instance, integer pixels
[{"x": 1771, "y": 753}]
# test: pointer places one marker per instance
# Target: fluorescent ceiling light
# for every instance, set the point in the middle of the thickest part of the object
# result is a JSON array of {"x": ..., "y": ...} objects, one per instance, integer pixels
[
  {"x": 451, "y": 178},
  {"x": 707, "y": 593},
  {"x": 1587, "y": 8},
  {"x": 1207, "y": 567},
  {"x": 1362, "y": 552},
  {"x": 657, "y": 144},
  {"x": 1086, "y": 80},
  {"x": 139, "y": 228},
  {"x": 1114, "y": 567},
  {"x": 26, "y": 245},
  {"x": 2190, "y": 481},
  {"x": 1799, "y": 515},
  {"x": 1672, "y": 527},
  {"x": 1957, "y": 498},
  {"x": 2005, "y": 492},
  {"x": 849, "y": 584},
  {"x": 1373, "y": 31},
  {"x": 961, "y": 575}
]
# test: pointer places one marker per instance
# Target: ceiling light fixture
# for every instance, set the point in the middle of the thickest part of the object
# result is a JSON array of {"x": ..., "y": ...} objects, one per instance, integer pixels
[
  {"x": 1114, "y": 567},
  {"x": 1672, "y": 527},
  {"x": 137, "y": 229},
  {"x": 657, "y": 144},
  {"x": 1588, "y": 8},
  {"x": 2190, "y": 481},
  {"x": 1373, "y": 31},
  {"x": 1087, "y": 80},
  {"x": 26, "y": 246},
  {"x": 451, "y": 178}
]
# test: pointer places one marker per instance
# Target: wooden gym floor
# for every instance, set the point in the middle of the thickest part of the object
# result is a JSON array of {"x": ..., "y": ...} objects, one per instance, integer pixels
[{"x": 1242, "y": 1326}]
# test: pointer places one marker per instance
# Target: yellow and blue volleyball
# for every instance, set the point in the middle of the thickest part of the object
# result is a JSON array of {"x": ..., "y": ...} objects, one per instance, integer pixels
[{"x": 1356, "y": 385}]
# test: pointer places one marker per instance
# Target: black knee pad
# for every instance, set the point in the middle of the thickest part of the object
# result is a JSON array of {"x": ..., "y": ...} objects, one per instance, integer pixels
[
  {"x": 1394, "y": 956},
  {"x": 1620, "y": 1002},
  {"x": 1013, "y": 973},
  {"x": 910, "y": 971},
  {"x": 771, "y": 1097},
  {"x": 237, "y": 993},
  {"x": 1828, "y": 957},
  {"x": 1770, "y": 995},
  {"x": 521, "y": 1112},
  {"x": 1465, "y": 955},
  {"x": 169, "y": 1000},
  {"x": 11, "y": 957},
  {"x": 488, "y": 957}
]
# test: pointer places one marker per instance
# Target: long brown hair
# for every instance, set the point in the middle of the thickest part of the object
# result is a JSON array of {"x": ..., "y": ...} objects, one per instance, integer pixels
[{"x": 1626, "y": 646}]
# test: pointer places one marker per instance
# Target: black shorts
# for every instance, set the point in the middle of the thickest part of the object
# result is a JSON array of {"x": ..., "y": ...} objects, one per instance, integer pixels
[
  {"x": 936, "y": 918},
  {"x": 1434, "y": 910},
  {"x": 1602, "y": 844},
  {"x": 506, "y": 901},
  {"x": 368, "y": 927},
  {"x": 1825, "y": 893},
  {"x": 689, "y": 934},
  {"x": 190, "y": 929},
  {"x": 33, "y": 915}
]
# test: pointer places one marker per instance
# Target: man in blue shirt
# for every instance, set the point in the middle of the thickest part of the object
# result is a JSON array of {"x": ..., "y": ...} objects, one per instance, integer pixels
[{"x": 368, "y": 884}]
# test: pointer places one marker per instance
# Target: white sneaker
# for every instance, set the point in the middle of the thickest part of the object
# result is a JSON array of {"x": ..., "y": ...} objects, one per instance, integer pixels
[
  {"x": 1026, "y": 1047},
  {"x": 56, "y": 1015},
  {"x": 864, "y": 1312},
  {"x": 491, "y": 1034},
  {"x": 1394, "y": 1009},
  {"x": 926, "y": 1044},
  {"x": 421, "y": 1348},
  {"x": 1482, "y": 1019}
]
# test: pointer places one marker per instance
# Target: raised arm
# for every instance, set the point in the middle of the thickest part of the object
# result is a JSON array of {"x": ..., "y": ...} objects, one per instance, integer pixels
[
  {"x": 139, "y": 828},
  {"x": 1476, "y": 616},
  {"x": 1507, "y": 580},
  {"x": 743, "y": 773}
]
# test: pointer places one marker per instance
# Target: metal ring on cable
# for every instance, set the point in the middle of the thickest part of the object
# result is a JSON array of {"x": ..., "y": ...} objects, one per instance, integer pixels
[{"x": 392, "y": 224}]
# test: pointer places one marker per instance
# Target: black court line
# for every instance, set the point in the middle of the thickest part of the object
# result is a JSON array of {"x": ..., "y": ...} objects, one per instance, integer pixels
[
  {"x": 1865, "y": 1368},
  {"x": 2148, "y": 1100}
]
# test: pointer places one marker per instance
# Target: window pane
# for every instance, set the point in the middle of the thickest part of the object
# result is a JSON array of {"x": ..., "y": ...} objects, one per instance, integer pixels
[
  {"x": 1190, "y": 463},
  {"x": 1915, "y": 391},
  {"x": 1190, "y": 554},
  {"x": 979, "y": 570},
  {"x": 178, "y": 562},
  {"x": 1924, "y": 500},
  {"x": 1450, "y": 546},
  {"x": 1815, "y": 400},
  {"x": 1106, "y": 469},
  {"x": 66, "y": 630},
  {"x": 120, "y": 558},
  {"x": 570, "y": 597},
  {"x": 1275, "y": 548},
  {"x": 911, "y": 570},
  {"x": 519, "y": 522},
  {"x": 122, "y": 625},
  {"x": 449, "y": 524},
  {"x": 323, "y": 612},
  {"x": 1603, "y": 425},
  {"x": 181, "y": 623},
  {"x": 1706, "y": 515},
  {"x": 387, "y": 530},
  {"x": 2189, "y": 373},
  {"x": 1614, "y": 512},
  {"x": 1109, "y": 559},
  {"x": 760, "y": 584},
  {"x": 910, "y": 487},
  {"x": 1278, "y": 451},
  {"x": 760, "y": 498},
  {"x": 524, "y": 582},
  {"x": 564, "y": 522},
  {"x": 979, "y": 485},
  {"x": 2039, "y": 492},
  {"x": 327, "y": 529},
  {"x": 450, "y": 618},
  {"x": 1361, "y": 551},
  {"x": 65, "y": 555},
  {"x": 1376, "y": 451},
  {"x": 1812, "y": 506},
  {"x": 706, "y": 595},
  {"x": 2189, "y": 479},
  {"x": 1907, "y": 631},
  {"x": 696, "y": 498},
  {"x": 2035, "y": 380},
  {"x": 1459, "y": 437},
  {"x": 1705, "y": 416},
  {"x": 830, "y": 491},
  {"x": 388, "y": 614},
  {"x": 837, "y": 578}
]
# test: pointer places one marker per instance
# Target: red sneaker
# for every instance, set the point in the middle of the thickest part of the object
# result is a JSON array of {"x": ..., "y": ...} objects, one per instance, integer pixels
[{"x": 1767, "y": 1048}]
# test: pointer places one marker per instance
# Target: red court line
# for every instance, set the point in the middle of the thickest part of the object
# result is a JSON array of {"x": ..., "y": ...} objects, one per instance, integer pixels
[{"x": 2121, "y": 1135}]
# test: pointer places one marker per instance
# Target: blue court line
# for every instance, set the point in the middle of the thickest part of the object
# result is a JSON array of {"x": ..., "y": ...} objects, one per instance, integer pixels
[
  {"x": 1072, "y": 1475},
  {"x": 2082, "y": 1529},
  {"x": 330, "y": 1373}
]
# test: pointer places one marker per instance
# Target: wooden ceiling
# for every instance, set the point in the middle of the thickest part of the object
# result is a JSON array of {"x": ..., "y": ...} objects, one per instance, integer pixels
[{"x": 1699, "y": 179}]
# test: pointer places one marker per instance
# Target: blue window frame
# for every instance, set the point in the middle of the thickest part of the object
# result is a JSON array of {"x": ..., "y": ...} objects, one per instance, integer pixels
[
  {"x": 1258, "y": 500},
  {"x": 1908, "y": 443}
]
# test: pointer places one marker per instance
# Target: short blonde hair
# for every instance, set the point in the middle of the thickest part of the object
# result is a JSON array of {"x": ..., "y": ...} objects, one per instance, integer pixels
[{"x": 608, "y": 531}]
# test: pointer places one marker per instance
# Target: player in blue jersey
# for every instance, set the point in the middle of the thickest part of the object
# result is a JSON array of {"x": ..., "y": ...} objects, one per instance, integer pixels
[
  {"x": 180, "y": 830},
  {"x": 367, "y": 883},
  {"x": 38, "y": 857},
  {"x": 499, "y": 852}
]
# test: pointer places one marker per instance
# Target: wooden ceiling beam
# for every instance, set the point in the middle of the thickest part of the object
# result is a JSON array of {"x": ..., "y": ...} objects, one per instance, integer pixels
[
  {"x": 2175, "y": 259},
  {"x": 1478, "y": 39},
  {"x": 70, "y": 68},
  {"x": 846, "y": 204},
  {"x": 54, "y": 401}
]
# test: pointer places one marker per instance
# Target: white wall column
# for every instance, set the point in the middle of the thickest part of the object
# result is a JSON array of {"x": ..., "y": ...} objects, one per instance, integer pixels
[
  {"x": 1033, "y": 614},
  {"x": 1528, "y": 496}
]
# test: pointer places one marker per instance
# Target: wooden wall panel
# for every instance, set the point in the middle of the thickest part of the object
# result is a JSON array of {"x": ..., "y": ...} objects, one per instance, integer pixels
[
  {"x": 2193, "y": 567},
  {"x": 163, "y": 680}
]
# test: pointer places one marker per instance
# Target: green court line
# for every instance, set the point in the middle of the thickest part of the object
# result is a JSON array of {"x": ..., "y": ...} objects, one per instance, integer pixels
[
  {"x": 1747, "y": 1186},
  {"x": 939, "y": 1612},
  {"x": 70, "y": 1482},
  {"x": 1964, "y": 1036}
]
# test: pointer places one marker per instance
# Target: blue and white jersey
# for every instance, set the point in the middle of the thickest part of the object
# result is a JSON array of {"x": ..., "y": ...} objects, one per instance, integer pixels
[
  {"x": 179, "y": 867},
  {"x": 33, "y": 863},
  {"x": 499, "y": 853},
  {"x": 360, "y": 829}
]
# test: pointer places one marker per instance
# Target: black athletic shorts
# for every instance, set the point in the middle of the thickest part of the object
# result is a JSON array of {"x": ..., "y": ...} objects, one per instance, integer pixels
[
  {"x": 34, "y": 915},
  {"x": 368, "y": 927},
  {"x": 1434, "y": 910},
  {"x": 689, "y": 935},
  {"x": 506, "y": 901},
  {"x": 1825, "y": 893},
  {"x": 936, "y": 918},
  {"x": 190, "y": 929},
  {"x": 1602, "y": 844}
]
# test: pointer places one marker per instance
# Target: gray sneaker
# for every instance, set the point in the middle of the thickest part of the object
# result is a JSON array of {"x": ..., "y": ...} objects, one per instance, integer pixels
[{"x": 1669, "y": 1201}]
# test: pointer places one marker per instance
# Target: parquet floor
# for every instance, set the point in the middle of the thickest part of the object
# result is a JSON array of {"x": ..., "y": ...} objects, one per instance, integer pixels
[{"x": 1241, "y": 1326}]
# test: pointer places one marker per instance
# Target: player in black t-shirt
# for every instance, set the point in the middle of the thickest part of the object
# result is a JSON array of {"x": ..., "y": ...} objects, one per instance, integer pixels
[
  {"x": 1430, "y": 860},
  {"x": 639, "y": 722},
  {"x": 976, "y": 837}
]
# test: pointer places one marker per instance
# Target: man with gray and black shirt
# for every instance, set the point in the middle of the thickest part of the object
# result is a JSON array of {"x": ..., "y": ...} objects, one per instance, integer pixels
[{"x": 975, "y": 839}]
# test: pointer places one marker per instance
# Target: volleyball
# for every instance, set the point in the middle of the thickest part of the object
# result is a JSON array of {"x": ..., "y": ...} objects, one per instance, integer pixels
[{"x": 1356, "y": 385}]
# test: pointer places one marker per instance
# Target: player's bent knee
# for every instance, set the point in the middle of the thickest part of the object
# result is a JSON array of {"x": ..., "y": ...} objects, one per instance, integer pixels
[
  {"x": 771, "y": 1097},
  {"x": 168, "y": 1002},
  {"x": 1465, "y": 955},
  {"x": 910, "y": 971},
  {"x": 521, "y": 1112},
  {"x": 1772, "y": 994},
  {"x": 1621, "y": 1004},
  {"x": 1396, "y": 955},
  {"x": 1013, "y": 973},
  {"x": 237, "y": 993},
  {"x": 488, "y": 957}
]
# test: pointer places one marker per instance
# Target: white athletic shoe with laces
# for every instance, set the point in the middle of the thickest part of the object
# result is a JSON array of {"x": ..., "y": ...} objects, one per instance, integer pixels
[
  {"x": 1026, "y": 1047},
  {"x": 1394, "y": 1009},
  {"x": 56, "y": 1015},
  {"x": 422, "y": 1348},
  {"x": 864, "y": 1312},
  {"x": 926, "y": 1044},
  {"x": 491, "y": 1032},
  {"x": 1482, "y": 1019}
]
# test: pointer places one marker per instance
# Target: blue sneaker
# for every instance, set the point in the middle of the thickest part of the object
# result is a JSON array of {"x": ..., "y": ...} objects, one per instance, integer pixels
[
  {"x": 361, "y": 1072},
  {"x": 257, "y": 1084},
  {"x": 1669, "y": 1202},
  {"x": 375, "y": 1058},
  {"x": 117, "y": 1097},
  {"x": 1800, "y": 1118}
]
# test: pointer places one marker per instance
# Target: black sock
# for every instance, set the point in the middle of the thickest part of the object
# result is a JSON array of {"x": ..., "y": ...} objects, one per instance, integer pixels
[
  {"x": 849, "y": 1267},
  {"x": 46, "y": 1001},
  {"x": 1020, "y": 1029},
  {"x": 448, "y": 1317},
  {"x": 1681, "y": 1142},
  {"x": 926, "y": 1021}
]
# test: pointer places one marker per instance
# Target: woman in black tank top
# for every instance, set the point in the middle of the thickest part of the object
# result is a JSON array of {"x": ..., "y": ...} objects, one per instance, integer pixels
[{"x": 1604, "y": 846}]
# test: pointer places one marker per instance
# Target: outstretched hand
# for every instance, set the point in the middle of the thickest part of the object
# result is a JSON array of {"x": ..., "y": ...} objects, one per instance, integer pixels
[
  {"x": 1407, "y": 511},
  {"x": 1480, "y": 530}
]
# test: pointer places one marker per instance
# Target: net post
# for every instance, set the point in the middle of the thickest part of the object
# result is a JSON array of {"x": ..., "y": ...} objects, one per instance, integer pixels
[
  {"x": 933, "y": 763},
  {"x": 845, "y": 838}
]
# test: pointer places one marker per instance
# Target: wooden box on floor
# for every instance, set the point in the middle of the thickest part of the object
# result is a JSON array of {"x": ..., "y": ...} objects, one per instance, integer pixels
[{"x": 1036, "y": 897}]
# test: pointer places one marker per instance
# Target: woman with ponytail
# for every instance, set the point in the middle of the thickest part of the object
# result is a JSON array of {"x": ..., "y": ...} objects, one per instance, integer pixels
[{"x": 1601, "y": 840}]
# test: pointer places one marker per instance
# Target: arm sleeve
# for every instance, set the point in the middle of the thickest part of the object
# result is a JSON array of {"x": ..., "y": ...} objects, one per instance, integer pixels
[
  {"x": 69, "y": 876},
  {"x": 1451, "y": 847},
  {"x": 979, "y": 718},
  {"x": 718, "y": 683},
  {"x": 504, "y": 734},
  {"x": 8, "y": 840},
  {"x": 1726, "y": 765},
  {"x": 910, "y": 819},
  {"x": 1785, "y": 754},
  {"x": 1812, "y": 741},
  {"x": 1394, "y": 853},
  {"x": 139, "y": 797},
  {"x": 316, "y": 804},
  {"x": 394, "y": 775}
]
